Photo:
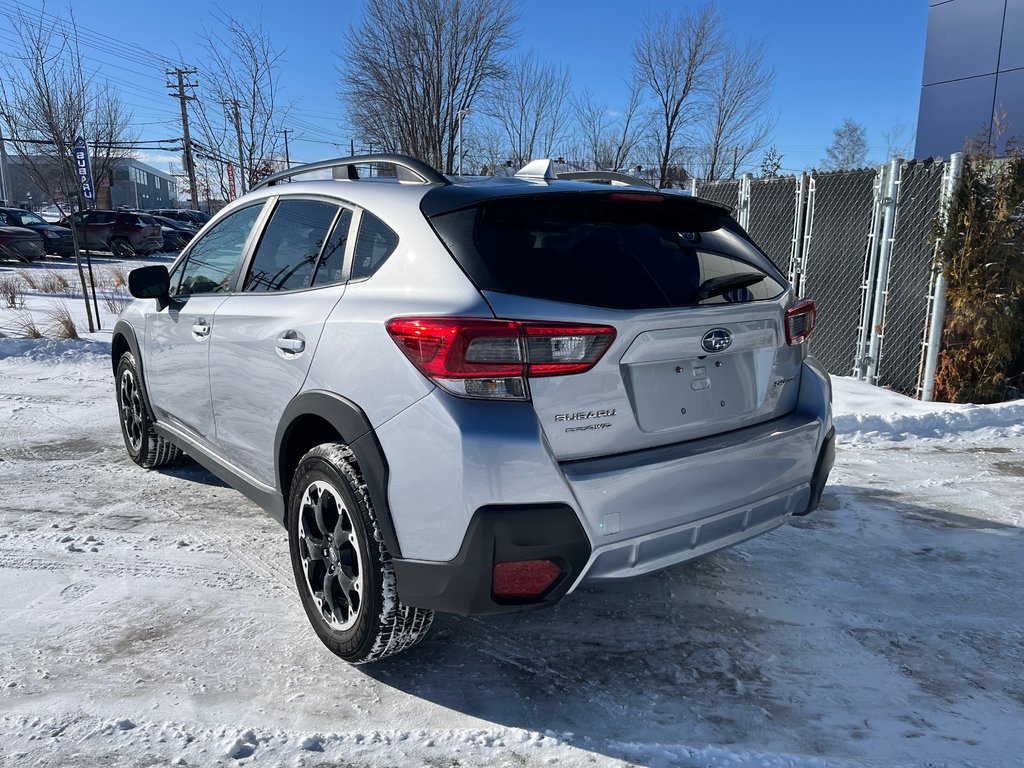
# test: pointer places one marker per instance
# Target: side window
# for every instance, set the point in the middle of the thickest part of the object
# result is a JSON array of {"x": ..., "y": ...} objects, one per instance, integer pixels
[
  {"x": 99, "y": 217},
  {"x": 212, "y": 260},
  {"x": 289, "y": 250},
  {"x": 375, "y": 243},
  {"x": 332, "y": 260}
]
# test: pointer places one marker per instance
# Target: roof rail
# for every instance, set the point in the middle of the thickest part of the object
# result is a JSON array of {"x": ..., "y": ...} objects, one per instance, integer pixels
[
  {"x": 614, "y": 177},
  {"x": 415, "y": 170}
]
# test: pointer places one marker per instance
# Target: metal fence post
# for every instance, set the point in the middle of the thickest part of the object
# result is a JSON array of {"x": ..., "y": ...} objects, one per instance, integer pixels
[
  {"x": 937, "y": 313},
  {"x": 797, "y": 244},
  {"x": 867, "y": 286},
  {"x": 808, "y": 232},
  {"x": 743, "y": 205},
  {"x": 882, "y": 278}
]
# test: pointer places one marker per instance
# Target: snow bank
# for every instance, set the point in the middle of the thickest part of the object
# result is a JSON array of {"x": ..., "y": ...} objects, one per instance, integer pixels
[
  {"x": 863, "y": 413},
  {"x": 53, "y": 350}
]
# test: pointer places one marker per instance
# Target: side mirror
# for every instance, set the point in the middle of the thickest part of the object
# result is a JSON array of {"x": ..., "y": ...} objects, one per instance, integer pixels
[{"x": 151, "y": 283}]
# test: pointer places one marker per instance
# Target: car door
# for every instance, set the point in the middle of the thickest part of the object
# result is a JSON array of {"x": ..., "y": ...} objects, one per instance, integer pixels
[
  {"x": 176, "y": 356},
  {"x": 267, "y": 333},
  {"x": 98, "y": 227}
]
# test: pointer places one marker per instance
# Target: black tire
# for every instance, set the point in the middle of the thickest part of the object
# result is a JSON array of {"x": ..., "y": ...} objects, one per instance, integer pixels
[
  {"x": 342, "y": 569},
  {"x": 122, "y": 248},
  {"x": 145, "y": 447}
]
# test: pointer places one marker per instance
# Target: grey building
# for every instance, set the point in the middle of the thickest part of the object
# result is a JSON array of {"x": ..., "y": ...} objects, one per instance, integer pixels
[
  {"x": 130, "y": 183},
  {"x": 973, "y": 75}
]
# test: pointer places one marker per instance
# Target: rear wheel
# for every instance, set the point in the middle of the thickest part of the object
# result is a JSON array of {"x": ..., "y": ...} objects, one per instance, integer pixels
[
  {"x": 122, "y": 248},
  {"x": 145, "y": 447},
  {"x": 343, "y": 571}
]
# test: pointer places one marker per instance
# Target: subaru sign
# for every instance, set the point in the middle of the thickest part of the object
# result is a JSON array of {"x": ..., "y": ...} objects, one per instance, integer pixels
[{"x": 82, "y": 167}]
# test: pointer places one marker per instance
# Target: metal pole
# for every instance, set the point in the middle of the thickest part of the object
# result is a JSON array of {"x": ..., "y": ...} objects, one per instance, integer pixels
[
  {"x": 796, "y": 245},
  {"x": 241, "y": 159},
  {"x": 743, "y": 202},
  {"x": 287, "y": 159},
  {"x": 867, "y": 286},
  {"x": 3, "y": 172},
  {"x": 461, "y": 115},
  {"x": 190, "y": 165},
  {"x": 882, "y": 279},
  {"x": 950, "y": 182}
]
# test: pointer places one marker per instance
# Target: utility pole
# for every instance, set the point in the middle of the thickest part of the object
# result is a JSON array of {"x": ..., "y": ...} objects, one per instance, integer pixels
[
  {"x": 237, "y": 119},
  {"x": 287, "y": 159},
  {"x": 190, "y": 165},
  {"x": 3, "y": 172}
]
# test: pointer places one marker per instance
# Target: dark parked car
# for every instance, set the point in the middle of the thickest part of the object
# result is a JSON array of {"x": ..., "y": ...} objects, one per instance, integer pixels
[
  {"x": 20, "y": 244},
  {"x": 176, "y": 234},
  {"x": 184, "y": 215},
  {"x": 56, "y": 239},
  {"x": 121, "y": 232}
]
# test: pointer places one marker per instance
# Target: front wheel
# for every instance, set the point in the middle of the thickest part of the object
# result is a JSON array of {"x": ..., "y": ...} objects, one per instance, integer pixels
[
  {"x": 343, "y": 571},
  {"x": 145, "y": 447}
]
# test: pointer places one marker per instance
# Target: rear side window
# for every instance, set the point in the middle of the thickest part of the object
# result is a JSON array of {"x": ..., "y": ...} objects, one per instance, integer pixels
[
  {"x": 287, "y": 255},
  {"x": 375, "y": 243},
  {"x": 612, "y": 251}
]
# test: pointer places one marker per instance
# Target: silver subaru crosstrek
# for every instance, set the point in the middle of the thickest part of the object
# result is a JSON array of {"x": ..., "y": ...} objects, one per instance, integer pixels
[{"x": 474, "y": 395}]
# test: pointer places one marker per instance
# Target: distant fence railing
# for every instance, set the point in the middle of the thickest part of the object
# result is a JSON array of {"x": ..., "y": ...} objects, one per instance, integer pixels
[{"x": 860, "y": 244}]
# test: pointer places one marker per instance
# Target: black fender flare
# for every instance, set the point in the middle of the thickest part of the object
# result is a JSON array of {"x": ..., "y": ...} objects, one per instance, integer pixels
[
  {"x": 349, "y": 420},
  {"x": 126, "y": 330}
]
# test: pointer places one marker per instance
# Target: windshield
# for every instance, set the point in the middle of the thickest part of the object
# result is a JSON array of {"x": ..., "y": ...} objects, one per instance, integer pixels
[{"x": 25, "y": 218}]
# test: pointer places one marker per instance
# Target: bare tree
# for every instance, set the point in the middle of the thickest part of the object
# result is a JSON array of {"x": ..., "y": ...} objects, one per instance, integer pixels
[
  {"x": 736, "y": 123},
  {"x": 899, "y": 140},
  {"x": 530, "y": 105},
  {"x": 239, "y": 117},
  {"x": 609, "y": 138},
  {"x": 412, "y": 66},
  {"x": 849, "y": 147},
  {"x": 47, "y": 100},
  {"x": 673, "y": 59}
]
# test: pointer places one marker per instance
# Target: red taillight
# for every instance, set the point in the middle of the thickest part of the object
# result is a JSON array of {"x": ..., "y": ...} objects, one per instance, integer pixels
[
  {"x": 800, "y": 320},
  {"x": 479, "y": 357},
  {"x": 523, "y": 579}
]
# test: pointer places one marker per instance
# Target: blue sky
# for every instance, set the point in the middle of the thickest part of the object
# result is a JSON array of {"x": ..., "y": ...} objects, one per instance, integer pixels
[{"x": 832, "y": 59}]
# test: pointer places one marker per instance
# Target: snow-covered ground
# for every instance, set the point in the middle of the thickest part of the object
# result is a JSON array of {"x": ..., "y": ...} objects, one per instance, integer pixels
[{"x": 150, "y": 618}]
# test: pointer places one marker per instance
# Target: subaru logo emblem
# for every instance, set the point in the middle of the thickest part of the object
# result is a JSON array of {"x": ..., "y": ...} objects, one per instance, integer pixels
[{"x": 716, "y": 340}]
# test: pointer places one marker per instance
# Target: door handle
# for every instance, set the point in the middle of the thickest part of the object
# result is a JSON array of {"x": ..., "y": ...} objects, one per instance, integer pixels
[
  {"x": 200, "y": 329},
  {"x": 290, "y": 345}
]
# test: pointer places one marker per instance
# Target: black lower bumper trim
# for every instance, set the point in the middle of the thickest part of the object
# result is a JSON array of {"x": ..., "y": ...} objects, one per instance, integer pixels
[
  {"x": 498, "y": 533},
  {"x": 826, "y": 460}
]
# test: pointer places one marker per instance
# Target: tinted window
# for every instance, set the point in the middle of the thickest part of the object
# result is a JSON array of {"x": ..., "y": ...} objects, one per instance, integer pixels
[
  {"x": 288, "y": 252},
  {"x": 375, "y": 243},
  {"x": 213, "y": 259},
  {"x": 332, "y": 260},
  {"x": 608, "y": 251},
  {"x": 99, "y": 217}
]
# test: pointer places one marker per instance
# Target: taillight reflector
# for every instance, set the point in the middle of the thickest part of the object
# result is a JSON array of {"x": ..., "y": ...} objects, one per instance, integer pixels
[
  {"x": 523, "y": 579},
  {"x": 482, "y": 357},
  {"x": 800, "y": 320}
]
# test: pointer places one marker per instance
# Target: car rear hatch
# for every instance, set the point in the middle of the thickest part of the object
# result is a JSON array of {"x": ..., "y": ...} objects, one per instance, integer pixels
[{"x": 699, "y": 314}]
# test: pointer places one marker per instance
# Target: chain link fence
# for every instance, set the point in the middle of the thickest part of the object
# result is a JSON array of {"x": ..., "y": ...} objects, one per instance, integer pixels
[
  {"x": 910, "y": 277},
  {"x": 833, "y": 233}
]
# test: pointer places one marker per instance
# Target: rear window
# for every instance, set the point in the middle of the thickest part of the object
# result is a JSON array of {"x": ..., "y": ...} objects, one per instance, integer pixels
[{"x": 608, "y": 251}]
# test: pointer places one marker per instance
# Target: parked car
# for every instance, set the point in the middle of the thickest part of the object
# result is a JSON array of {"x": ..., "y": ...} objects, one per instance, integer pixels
[
  {"x": 176, "y": 234},
  {"x": 123, "y": 233},
  {"x": 20, "y": 244},
  {"x": 56, "y": 239},
  {"x": 184, "y": 215},
  {"x": 473, "y": 396}
]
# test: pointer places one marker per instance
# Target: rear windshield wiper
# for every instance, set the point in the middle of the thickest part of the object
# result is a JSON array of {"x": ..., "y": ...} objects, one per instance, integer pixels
[{"x": 716, "y": 286}]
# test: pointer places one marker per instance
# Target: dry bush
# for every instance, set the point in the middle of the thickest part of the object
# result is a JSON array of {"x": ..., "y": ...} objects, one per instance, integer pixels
[
  {"x": 63, "y": 322},
  {"x": 12, "y": 292},
  {"x": 54, "y": 281},
  {"x": 116, "y": 297},
  {"x": 118, "y": 275},
  {"x": 982, "y": 358},
  {"x": 29, "y": 279},
  {"x": 27, "y": 328}
]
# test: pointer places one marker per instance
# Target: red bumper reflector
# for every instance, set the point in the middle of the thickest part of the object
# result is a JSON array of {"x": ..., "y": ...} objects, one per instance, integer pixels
[{"x": 524, "y": 579}]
